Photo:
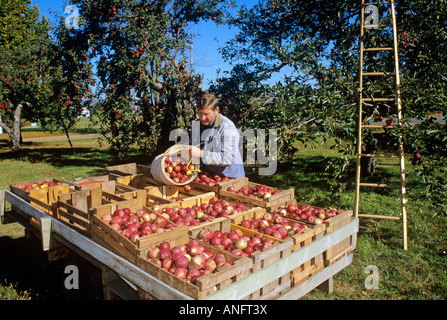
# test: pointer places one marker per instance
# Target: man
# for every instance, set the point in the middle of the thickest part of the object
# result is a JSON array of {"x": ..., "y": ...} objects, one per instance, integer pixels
[{"x": 215, "y": 140}]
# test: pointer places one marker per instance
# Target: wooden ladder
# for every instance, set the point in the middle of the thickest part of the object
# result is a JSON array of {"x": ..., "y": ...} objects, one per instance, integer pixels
[{"x": 372, "y": 22}]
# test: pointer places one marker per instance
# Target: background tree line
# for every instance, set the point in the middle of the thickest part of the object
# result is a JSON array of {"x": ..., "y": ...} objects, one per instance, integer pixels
[{"x": 132, "y": 55}]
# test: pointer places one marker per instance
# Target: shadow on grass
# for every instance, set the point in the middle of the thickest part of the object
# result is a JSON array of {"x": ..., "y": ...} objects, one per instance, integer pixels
[{"x": 27, "y": 266}]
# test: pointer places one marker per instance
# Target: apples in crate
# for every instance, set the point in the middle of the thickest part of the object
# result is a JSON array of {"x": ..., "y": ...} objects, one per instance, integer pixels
[
  {"x": 237, "y": 241},
  {"x": 307, "y": 213},
  {"x": 274, "y": 225},
  {"x": 198, "y": 213},
  {"x": 134, "y": 225}
]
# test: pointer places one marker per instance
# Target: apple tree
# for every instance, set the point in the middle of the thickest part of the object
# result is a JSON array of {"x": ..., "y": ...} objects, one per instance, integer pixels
[
  {"x": 141, "y": 51},
  {"x": 23, "y": 36},
  {"x": 41, "y": 79},
  {"x": 316, "y": 44}
]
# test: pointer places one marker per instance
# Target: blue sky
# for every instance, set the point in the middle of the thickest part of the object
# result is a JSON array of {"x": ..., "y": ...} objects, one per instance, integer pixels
[{"x": 206, "y": 58}]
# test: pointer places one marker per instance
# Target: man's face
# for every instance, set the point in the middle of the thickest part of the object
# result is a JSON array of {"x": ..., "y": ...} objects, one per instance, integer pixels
[{"x": 207, "y": 115}]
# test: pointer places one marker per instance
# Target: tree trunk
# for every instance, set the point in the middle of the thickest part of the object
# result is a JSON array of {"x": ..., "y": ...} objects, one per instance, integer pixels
[
  {"x": 368, "y": 164},
  {"x": 14, "y": 131}
]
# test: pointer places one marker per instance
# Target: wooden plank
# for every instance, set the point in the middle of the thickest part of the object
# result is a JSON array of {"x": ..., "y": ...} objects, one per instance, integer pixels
[
  {"x": 45, "y": 225},
  {"x": 316, "y": 280},
  {"x": 2, "y": 206},
  {"x": 261, "y": 278}
]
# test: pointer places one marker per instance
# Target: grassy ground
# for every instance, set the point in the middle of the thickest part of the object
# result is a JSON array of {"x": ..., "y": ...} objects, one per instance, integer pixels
[{"x": 419, "y": 273}]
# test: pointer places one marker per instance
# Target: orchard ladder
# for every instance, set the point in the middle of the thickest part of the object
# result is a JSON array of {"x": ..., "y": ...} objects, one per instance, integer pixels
[{"x": 372, "y": 22}]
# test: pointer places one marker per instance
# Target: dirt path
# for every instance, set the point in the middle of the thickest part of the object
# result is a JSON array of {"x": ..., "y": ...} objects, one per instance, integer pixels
[{"x": 56, "y": 138}]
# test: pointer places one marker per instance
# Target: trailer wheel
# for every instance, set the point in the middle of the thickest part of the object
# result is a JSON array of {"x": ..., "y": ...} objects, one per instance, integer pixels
[{"x": 83, "y": 280}]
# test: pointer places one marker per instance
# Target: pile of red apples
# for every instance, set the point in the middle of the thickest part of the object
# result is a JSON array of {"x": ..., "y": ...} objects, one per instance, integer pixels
[
  {"x": 193, "y": 216},
  {"x": 236, "y": 241},
  {"x": 259, "y": 192},
  {"x": 137, "y": 224},
  {"x": 307, "y": 213},
  {"x": 187, "y": 261}
]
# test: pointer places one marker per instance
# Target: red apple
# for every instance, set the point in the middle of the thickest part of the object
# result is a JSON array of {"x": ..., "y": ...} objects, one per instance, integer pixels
[
  {"x": 107, "y": 218},
  {"x": 181, "y": 273}
]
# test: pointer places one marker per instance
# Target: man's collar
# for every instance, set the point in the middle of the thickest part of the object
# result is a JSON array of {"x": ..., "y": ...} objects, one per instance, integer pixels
[{"x": 217, "y": 121}]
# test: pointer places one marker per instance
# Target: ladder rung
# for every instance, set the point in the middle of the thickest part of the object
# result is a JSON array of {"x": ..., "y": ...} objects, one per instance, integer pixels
[
  {"x": 378, "y": 99},
  {"x": 378, "y": 155},
  {"x": 375, "y": 3},
  {"x": 376, "y": 216},
  {"x": 379, "y": 185},
  {"x": 366, "y": 74},
  {"x": 377, "y": 126},
  {"x": 378, "y": 49}
]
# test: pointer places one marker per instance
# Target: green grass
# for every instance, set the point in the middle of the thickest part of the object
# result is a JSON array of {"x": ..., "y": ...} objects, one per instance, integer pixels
[{"x": 419, "y": 273}]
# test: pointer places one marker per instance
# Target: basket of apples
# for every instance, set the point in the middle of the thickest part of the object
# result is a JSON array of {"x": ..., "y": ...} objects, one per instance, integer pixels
[{"x": 174, "y": 167}]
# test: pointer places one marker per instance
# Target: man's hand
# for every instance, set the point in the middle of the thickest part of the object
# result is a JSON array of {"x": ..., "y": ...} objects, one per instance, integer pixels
[{"x": 195, "y": 151}]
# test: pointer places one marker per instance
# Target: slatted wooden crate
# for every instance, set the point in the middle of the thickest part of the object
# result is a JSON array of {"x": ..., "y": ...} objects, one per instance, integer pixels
[
  {"x": 311, "y": 233},
  {"x": 46, "y": 199},
  {"x": 218, "y": 186},
  {"x": 260, "y": 258},
  {"x": 128, "y": 169},
  {"x": 278, "y": 199},
  {"x": 206, "y": 284},
  {"x": 18, "y": 187},
  {"x": 265, "y": 258},
  {"x": 189, "y": 203},
  {"x": 340, "y": 249},
  {"x": 105, "y": 235},
  {"x": 139, "y": 181},
  {"x": 76, "y": 208},
  {"x": 169, "y": 194},
  {"x": 223, "y": 225},
  {"x": 105, "y": 182},
  {"x": 344, "y": 247}
]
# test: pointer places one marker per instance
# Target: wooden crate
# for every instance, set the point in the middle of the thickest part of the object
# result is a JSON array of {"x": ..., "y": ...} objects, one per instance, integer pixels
[
  {"x": 315, "y": 264},
  {"x": 127, "y": 169},
  {"x": 191, "y": 201},
  {"x": 206, "y": 284},
  {"x": 105, "y": 235},
  {"x": 310, "y": 234},
  {"x": 278, "y": 199},
  {"x": 219, "y": 186},
  {"x": 140, "y": 180},
  {"x": 46, "y": 199},
  {"x": 344, "y": 247},
  {"x": 168, "y": 194},
  {"x": 17, "y": 187},
  {"x": 339, "y": 250},
  {"x": 76, "y": 208},
  {"x": 265, "y": 258}
]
